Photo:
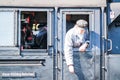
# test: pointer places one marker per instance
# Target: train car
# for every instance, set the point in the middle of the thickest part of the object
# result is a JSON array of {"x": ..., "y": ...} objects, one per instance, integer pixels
[
  {"x": 112, "y": 54},
  {"x": 32, "y": 34}
]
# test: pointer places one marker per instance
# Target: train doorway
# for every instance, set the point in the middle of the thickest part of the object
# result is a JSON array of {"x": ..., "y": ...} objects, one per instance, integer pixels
[{"x": 91, "y": 57}]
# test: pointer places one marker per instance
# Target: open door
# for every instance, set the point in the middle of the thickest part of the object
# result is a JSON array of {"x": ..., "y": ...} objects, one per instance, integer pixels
[{"x": 90, "y": 61}]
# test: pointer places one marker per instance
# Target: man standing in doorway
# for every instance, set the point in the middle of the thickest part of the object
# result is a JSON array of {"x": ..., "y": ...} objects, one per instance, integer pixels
[{"x": 76, "y": 37}]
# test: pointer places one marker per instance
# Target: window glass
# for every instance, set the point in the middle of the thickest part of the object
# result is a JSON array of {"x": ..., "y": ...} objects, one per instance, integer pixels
[
  {"x": 7, "y": 28},
  {"x": 33, "y": 30},
  {"x": 72, "y": 18}
]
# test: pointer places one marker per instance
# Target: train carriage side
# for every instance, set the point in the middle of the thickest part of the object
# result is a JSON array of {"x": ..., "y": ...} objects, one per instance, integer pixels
[
  {"x": 26, "y": 51},
  {"x": 33, "y": 34}
]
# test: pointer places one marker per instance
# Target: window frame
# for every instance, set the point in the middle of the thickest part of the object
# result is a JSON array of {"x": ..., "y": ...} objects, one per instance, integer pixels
[
  {"x": 16, "y": 50},
  {"x": 11, "y": 49},
  {"x": 91, "y": 24},
  {"x": 49, "y": 32}
]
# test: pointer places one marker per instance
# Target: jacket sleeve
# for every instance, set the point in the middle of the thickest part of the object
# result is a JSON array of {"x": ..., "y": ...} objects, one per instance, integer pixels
[{"x": 68, "y": 49}]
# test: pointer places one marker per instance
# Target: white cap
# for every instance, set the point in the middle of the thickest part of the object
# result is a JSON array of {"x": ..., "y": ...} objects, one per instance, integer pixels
[{"x": 81, "y": 23}]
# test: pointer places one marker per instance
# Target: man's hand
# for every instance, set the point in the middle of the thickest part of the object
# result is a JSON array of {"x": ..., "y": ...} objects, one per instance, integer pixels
[
  {"x": 71, "y": 68},
  {"x": 83, "y": 47}
]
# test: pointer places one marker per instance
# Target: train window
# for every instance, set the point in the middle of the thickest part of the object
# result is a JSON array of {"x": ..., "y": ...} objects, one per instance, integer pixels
[
  {"x": 33, "y": 30},
  {"x": 7, "y": 28},
  {"x": 72, "y": 18}
]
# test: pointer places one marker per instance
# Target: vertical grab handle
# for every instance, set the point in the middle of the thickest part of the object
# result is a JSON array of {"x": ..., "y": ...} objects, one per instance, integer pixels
[{"x": 110, "y": 44}]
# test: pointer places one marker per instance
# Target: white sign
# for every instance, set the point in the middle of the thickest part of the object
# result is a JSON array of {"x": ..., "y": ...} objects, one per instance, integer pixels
[
  {"x": 112, "y": 14},
  {"x": 18, "y": 74}
]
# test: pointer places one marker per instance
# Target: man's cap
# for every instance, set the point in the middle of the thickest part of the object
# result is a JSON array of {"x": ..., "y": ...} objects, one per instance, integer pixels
[{"x": 81, "y": 23}]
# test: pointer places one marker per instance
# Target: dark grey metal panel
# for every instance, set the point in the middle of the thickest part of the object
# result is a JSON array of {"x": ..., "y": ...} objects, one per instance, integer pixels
[
  {"x": 113, "y": 67},
  {"x": 53, "y": 3},
  {"x": 25, "y": 71}
]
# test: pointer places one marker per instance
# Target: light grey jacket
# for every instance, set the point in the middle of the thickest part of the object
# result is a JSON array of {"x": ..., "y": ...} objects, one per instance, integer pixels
[{"x": 73, "y": 40}]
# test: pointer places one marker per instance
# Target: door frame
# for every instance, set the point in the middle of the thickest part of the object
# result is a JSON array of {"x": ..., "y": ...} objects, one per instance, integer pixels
[{"x": 62, "y": 30}]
